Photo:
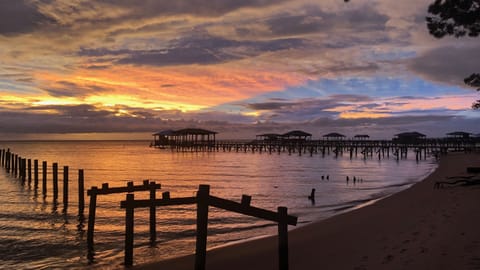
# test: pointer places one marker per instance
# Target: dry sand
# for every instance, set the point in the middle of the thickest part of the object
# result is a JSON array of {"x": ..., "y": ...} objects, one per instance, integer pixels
[{"x": 418, "y": 228}]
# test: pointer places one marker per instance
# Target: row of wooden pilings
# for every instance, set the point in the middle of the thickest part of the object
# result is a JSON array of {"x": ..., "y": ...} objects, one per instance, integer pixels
[
  {"x": 22, "y": 168},
  {"x": 203, "y": 200}
]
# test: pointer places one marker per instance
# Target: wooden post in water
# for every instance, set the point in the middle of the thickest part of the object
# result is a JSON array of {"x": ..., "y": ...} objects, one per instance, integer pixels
[
  {"x": 153, "y": 216},
  {"x": 12, "y": 163},
  {"x": 55, "y": 180},
  {"x": 91, "y": 217},
  {"x": 65, "y": 187},
  {"x": 18, "y": 172},
  {"x": 44, "y": 178},
  {"x": 35, "y": 173},
  {"x": 7, "y": 161},
  {"x": 23, "y": 171},
  {"x": 81, "y": 193},
  {"x": 203, "y": 195},
  {"x": 282, "y": 238},
  {"x": 29, "y": 171},
  {"x": 246, "y": 200},
  {"x": 129, "y": 216},
  {"x": 15, "y": 165}
]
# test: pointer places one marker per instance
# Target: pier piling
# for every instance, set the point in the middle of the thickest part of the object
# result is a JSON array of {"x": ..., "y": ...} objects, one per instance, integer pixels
[
  {"x": 65, "y": 187},
  {"x": 81, "y": 193},
  {"x": 55, "y": 180},
  {"x": 44, "y": 178}
]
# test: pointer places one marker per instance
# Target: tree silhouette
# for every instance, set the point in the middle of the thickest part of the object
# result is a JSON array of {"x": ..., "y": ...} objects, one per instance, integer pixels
[
  {"x": 456, "y": 18},
  {"x": 474, "y": 81}
]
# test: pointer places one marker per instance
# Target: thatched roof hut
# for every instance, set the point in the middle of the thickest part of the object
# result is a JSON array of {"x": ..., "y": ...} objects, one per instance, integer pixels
[
  {"x": 193, "y": 136},
  {"x": 459, "y": 135},
  {"x": 361, "y": 137},
  {"x": 334, "y": 136},
  {"x": 297, "y": 134},
  {"x": 409, "y": 137},
  {"x": 414, "y": 135},
  {"x": 268, "y": 136}
]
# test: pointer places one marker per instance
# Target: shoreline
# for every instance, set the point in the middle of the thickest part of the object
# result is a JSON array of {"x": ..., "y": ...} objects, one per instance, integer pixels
[{"x": 417, "y": 228}]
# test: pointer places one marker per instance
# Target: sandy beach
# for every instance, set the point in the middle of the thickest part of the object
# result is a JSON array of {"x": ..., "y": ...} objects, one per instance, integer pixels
[{"x": 418, "y": 228}]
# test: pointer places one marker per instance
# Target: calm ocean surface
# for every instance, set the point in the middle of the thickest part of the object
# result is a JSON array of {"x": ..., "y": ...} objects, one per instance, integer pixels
[{"x": 36, "y": 233}]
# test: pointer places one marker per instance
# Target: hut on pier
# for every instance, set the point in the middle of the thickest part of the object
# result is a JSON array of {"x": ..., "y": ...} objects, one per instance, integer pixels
[
  {"x": 361, "y": 137},
  {"x": 334, "y": 136},
  {"x": 409, "y": 137},
  {"x": 161, "y": 139},
  {"x": 459, "y": 135},
  {"x": 296, "y": 136},
  {"x": 188, "y": 137},
  {"x": 269, "y": 137}
]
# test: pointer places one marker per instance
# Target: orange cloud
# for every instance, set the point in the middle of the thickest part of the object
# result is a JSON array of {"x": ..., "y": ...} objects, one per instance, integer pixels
[
  {"x": 366, "y": 114},
  {"x": 182, "y": 87}
]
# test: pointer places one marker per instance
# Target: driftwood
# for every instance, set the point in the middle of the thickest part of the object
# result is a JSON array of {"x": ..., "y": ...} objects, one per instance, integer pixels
[
  {"x": 469, "y": 180},
  {"x": 465, "y": 181}
]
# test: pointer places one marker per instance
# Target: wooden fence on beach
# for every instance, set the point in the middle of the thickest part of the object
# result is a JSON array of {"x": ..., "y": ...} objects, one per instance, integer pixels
[{"x": 203, "y": 200}]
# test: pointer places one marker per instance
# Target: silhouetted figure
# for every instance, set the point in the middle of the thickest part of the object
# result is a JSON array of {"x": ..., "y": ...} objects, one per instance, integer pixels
[
  {"x": 328, "y": 178},
  {"x": 347, "y": 180},
  {"x": 312, "y": 196},
  {"x": 323, "y": 177}
]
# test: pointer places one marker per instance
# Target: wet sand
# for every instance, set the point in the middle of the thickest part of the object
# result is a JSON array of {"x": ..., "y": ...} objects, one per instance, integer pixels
[{"x": 418, "y": 228}]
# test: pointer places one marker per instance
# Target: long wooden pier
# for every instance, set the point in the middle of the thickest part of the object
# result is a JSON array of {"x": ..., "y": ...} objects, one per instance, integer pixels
[{"x": 365, "y": 148}]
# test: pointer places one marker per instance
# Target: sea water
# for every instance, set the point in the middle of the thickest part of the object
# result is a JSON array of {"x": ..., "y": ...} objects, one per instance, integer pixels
[{"x": 36, "y": 232}]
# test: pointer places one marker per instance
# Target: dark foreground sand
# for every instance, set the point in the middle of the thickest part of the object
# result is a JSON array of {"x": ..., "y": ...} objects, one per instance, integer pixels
[{"x": 418, "y": 228}]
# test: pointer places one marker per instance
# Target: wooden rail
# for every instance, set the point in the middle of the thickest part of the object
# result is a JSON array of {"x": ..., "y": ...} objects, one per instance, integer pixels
[
  {"x": 94, "y": 191},
  {"x": 203, "y": 200}
]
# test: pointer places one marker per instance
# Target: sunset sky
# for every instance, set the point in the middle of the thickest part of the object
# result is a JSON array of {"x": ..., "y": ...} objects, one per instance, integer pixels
[{"x": 100, "y": 69}]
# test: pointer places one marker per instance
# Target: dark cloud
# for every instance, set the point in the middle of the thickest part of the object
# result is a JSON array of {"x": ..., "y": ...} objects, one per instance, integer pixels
[
  {"x": 19, "y": 16},
  {"x": 154, "y": 27},
  {"x": 199, "y": 48},
  {"x": 70, "y": 89},
  {"x": 207, "y": 8},
  {"x": 87, "y": 119},
  {"x": 299, "y": 110},
  {"x": 385, "y": 122},
  {"x": 316, "y": 20},
  {"x": 98, "y": 67},
  {"x": 448, "y": 64},
  {"x": 336, "y": 42},
  {"x": 350, "y": 98},
  {"x": 268, "y": 105},
  {"x": 176, "y": 56}
]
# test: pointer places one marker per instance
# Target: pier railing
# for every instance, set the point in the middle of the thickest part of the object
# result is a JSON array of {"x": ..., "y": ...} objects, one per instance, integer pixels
[{"x": 203, "y": 200}]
